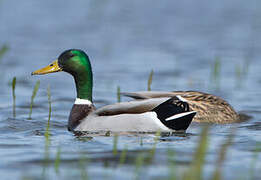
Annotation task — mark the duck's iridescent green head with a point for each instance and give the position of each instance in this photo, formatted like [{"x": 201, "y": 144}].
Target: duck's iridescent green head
[
  {"x": 77, "y": 63},
  {"x": 74, "y": 61}
]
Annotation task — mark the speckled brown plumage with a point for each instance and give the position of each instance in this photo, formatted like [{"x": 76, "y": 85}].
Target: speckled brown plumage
[{"x": 210, "y": 108}]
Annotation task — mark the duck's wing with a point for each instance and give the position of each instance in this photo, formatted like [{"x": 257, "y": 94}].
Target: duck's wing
[
  {"x": 130, "y": 107},
  {"x": 148, "y": 94},
  {"x": 172, "y": 114}
]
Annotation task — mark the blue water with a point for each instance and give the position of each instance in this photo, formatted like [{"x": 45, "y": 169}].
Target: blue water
[{"x": 179, "y": 40}]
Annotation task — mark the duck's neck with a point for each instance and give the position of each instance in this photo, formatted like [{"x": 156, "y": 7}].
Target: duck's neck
[
  {"x": 83, "y": 81},
  {"x": 83, "y": 104}
]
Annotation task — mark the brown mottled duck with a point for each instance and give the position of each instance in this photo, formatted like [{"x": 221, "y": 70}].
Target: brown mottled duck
[{"x": 209, "y": 108}]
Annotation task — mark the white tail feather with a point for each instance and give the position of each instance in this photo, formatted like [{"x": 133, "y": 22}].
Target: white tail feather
[{"x": 179, "y": 115}]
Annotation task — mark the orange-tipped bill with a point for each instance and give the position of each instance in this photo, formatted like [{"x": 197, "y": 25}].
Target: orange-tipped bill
[{"x": 53, "y": 67}]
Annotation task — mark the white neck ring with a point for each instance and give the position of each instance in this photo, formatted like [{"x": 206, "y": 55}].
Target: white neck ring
[{"x": 82, "y": 101}]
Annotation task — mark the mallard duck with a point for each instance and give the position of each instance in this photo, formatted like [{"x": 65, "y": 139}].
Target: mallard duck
[
  {"x": 209, "y": 108},
  {"x": 170, "y": 114}
]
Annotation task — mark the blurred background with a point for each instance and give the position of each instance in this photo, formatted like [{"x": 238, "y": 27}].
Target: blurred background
[{"x": 210, "y": 46}]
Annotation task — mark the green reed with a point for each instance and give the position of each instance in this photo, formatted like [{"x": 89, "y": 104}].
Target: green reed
[
  {"x": 217, "y": 65},
  {"x": 82, "y": 165},
  {"x": 26, "y": 178},
  {"x": 47, "y": 131},
  {"x": 239, "y": 75},
  {"x": 254, "y": 160},
  {"x": 215, "y": 75},
  {"x": 153, "y": 149},
  {"x": 150, "y": 80},
  {"x": 138, "y": 164},
  {"x": 171, "y": 154},
  {"x": 3, "y": 50},
  {"x": 141, "y": 141},
  {"x": 36, "y": 87},
  {"x": 246, "y": 67},
  {"x": 195, "y": 170},
  {"x": 13, "y": 94},
  {"x": 49, "y": 103},
  {"x": 115, "y": 144},
  {"x": 118, "y": 93},
  {"x": 241, "y": 72},
  {"x": 222, "y": 155},
  {"x": 123, "y": 155},
  {"x": 57, "y": 160},
  {"x": 238, "y": 71}
]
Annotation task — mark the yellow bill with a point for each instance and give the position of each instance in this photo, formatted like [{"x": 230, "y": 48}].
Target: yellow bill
[{"x": 53, "y": 67}]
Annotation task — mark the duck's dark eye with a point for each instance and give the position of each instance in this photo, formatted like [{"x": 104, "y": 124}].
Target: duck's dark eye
[
  {"x": 71, "y": 55},
  {"x": 51, "y": 64}
]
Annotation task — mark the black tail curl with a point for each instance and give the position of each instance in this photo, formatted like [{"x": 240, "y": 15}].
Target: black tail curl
[{"x": 175, "y": 114}]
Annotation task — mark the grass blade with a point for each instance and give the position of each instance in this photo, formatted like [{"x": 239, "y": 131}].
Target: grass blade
[
  {"x": 118, "y": 93},
  {"x": 82, "y": 164},
  {"x": 57, "y": 160},
  {"x": 195, "y": 170},
  {"x": 36, "y": 87},
  {"x": 222, "y": 155},
  {"x": 138, "y": 164},
  {"x": 216, "y": 72},
  {"x": 217, "y": 65},
  {"x": 115, "y": 144},
  {"x": 153, "y": 149},
  {"x": 141, "y": 141},
  {"x": 49, "y": 103},
  {"x": 3, "y": 50},
  {"x": 47, "y": 131},
  {"x": 150, "y": 80},
  {"x": 13, "y": 94},
  {"x": 171, "y": 162},
  {"x": 241, "y": 72},
  {"x": 254, "y": 161},
  {"x": 123, "y": 155}
]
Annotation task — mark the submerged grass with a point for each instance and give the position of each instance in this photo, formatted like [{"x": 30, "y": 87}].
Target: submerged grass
[
  {"x": 13, "y": 94},
  {"x": 36, "y": 87},
  {"x": 150, "y": 80}
]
